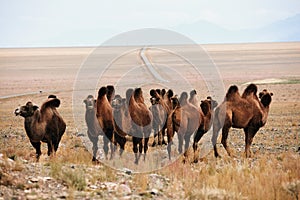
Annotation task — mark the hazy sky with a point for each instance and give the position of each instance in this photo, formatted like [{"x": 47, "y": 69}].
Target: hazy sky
[{"x": 41, "y": 21}]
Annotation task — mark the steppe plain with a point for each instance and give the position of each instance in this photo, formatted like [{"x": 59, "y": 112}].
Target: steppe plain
[{"x": 31, "y": 74}]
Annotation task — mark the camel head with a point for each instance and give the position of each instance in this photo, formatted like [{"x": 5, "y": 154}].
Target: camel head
[
  {"x": 90, "y": 102},
  {"x": 27, "y": 110},
  {"x": 155, "y": 96},
  {"x": 118, "y": 102},
  {"x": 207, "y": 105},
  {"x": 265, "y": 97},
  {"x": 175, "y": 102},
  {"x": 213, "y": 102}
]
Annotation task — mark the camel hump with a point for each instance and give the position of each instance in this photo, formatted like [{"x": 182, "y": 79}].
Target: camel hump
[
  {"x": 137, "y": 93},
  {"x": 52, "y": 101},
  {"x": 129, "y": 93},
  {"x": 231, "y": 91},
  {"x": 193, "y": 93},
  {"x": 250, "y": 89},
  {"x": 170, "y": 93},
  {"x": 110, "y": 92},
  {"x": 183, "y": 98},
  {"x": 102, "y": 91},
  {"x": 153, "y": 93}
]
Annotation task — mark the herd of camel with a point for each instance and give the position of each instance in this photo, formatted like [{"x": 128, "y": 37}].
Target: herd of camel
[{"x": 115, "y": 118}]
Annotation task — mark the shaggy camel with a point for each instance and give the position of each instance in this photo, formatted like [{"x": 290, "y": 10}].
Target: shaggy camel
[
  {"x": 44, "y": 125},
  {"x": 105, "y": 117},
  {"x": 185, "y": 120},
  {"x": 246, "y": 111},
  {"x": 120, "y": 113},
  {"x": 94, "y": 129},
  {"x": 161, "y": 107},
  {"x": 207, "y": 107},
  {"x": 141, "y": 123}
]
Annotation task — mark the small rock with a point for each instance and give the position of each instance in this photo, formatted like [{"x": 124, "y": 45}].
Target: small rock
[
  {"x": 123, "y": 189},
  {"x": 154, "y": 191}
]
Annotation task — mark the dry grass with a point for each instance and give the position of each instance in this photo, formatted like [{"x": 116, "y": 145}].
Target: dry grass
[{"x": 272, "y": 173}]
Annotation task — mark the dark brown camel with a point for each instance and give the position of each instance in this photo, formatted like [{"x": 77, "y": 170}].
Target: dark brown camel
[
  {"x": 94, "y": 129},
  {"x": 44, "y": 125},
  {"x": 141, "y": 123},
  {"x": 105, "y": 118},
  {"x": 246, "y": 111}
]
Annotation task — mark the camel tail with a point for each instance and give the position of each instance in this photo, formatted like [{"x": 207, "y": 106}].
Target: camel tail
[{"x": 231, "y": 91}]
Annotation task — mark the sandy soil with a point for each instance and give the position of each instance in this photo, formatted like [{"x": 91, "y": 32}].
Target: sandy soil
[{"x": 32, "y": 74}]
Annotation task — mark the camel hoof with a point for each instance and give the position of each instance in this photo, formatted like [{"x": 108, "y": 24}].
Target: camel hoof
[
  {"x": 136, "y": 162},
  {"x": 164, "y": 142},
  {"x": 95, "y": 161}
]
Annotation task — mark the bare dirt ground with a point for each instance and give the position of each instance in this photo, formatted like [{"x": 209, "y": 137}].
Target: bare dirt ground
[{"x": 272, "y": 173}]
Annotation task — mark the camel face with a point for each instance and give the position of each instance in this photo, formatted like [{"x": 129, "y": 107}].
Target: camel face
[
  {"x": 90, "y": 103},
  {"x": 26, "y": 110},
  {"x": 265, "y": 97},
  {"x": 118, "y": 102}
]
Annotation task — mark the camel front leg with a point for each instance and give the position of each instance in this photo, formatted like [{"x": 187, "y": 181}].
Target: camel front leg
[
  {"x": 249, "y": 135},
  {"x": 37, "y": 146},
  {"x": 198, "y": 136}
]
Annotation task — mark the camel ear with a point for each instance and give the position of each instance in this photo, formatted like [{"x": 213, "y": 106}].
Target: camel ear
[{"x": 84, "y": 101}]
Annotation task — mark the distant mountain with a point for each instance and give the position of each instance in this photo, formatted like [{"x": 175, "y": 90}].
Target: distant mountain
[{"x": 205, "y": 32}]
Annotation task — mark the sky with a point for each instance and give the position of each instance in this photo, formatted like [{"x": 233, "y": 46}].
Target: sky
[{"x": 90, "y": 22}]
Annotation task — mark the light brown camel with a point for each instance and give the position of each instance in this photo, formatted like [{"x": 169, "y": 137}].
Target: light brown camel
[
  {"x": 105, "y": 118},
  {"x": 185, "y": 120},
  {"x": 141, "y": 123},
  {"x": 246, "y": 111},
  {"x": 44, "y": 125},
  {"x": 94, "y": 129}
]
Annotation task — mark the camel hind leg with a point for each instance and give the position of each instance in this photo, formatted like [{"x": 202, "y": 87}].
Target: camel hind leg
[
  {"x": 147, "y": 133},
  {"x": 121, "y": 141}
]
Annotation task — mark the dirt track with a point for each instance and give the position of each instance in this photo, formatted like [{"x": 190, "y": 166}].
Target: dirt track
[{"x": 54, "y": 70}]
